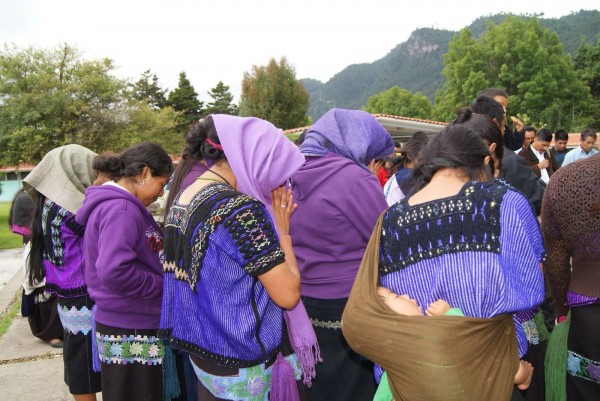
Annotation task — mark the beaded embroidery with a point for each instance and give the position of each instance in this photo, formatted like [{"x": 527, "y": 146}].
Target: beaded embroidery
[
  {"x": 76, "y": 320},
  {"x": 251, "y": 384},
  {"x": 335, "y": 325},
  {"x": 125, "y": 349},
  {"x": 531, "y": 331},
  {"x": 582, "y": 367},
  {"x": 55, "y": 216},
  {"x": 242, "y": 216},
  {"x": 468, "y": 221}
]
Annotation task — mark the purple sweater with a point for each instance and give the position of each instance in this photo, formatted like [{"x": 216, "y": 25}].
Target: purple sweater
[
  {"x": 339, "y": 203},
  {"x": 122, "y": 245}
]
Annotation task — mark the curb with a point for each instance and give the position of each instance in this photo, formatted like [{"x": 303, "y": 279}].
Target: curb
[{"x": 9, "y": 291}]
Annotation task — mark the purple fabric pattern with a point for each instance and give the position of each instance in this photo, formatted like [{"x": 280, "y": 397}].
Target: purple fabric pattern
[
  {"x": 574, "y": 299},
  {"x": 353, "y": 134}
]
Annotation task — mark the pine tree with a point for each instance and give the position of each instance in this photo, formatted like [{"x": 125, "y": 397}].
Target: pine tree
[
  {"x": 148, "y": 90},
  {"x": 184, "y": 99},
  {"x": 222, "y": 101}
]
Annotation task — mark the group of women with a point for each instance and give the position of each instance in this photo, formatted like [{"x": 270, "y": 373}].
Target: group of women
[{"x": 264, "y": 249}]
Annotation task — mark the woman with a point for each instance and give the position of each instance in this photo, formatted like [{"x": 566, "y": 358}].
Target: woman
[
  {"x": 571, "y": 227},
  {"x": 124, "y": 272},
  {"x": 230, "y": 271},
  {"x": 339, "y": 201},
  {"x": 471, "y": 242},
  {"x": 400, "y": 183},
  {"x": 57, "y": 185},
  {"x": 21, "y": 214}
]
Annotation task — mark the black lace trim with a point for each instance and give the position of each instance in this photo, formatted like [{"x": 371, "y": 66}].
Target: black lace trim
[
  {"x": 68, "y": 293},
  {"x": 469, "y": 221}
]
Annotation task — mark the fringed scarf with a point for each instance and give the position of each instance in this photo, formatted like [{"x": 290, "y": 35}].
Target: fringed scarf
[{"x": 431, "y": 358}]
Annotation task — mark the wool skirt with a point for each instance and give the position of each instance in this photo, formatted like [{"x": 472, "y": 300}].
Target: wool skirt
[
  {"x": 344, "y": 374},
  {"x": 132, "y": 363},
  {"x": 583, "y": 363}
]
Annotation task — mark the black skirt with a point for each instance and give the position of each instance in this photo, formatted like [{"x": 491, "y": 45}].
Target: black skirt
[
  {"x": 584, "y": 341},
  {"x": 130, "y": 381},
  {"x": 44, "y": 320},
  {"x": 344, "y": 374},
  {"x": 77, "y": 350}
]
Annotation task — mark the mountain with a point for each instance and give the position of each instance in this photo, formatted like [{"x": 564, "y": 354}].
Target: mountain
[{"x": 416, "y": 65}]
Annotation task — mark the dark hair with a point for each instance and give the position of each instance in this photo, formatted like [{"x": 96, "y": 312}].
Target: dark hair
[
  {"x": 588, "y": 132},
  {"x": 300, "y": 138},
  {"x": 36, "y": 254},
  {"x": 420, "y": 136},
  {"x": 456, "y": 146},
  {"x": 396, "y": 144},
  {"x": 409, "y": 152},
  {"x": 530, "y": 128},
  {"x": 544, "y": 135},
  {"x": 488, "y": 106},
  {"x": 196, "y": 149},
  {"x": 132, "y": 161},
  {"x": 483, "y": 125},
  {"x": 492, "y": 93},
  {"x": 561, "y": 135},
  {"x": 12, "y": 206}
]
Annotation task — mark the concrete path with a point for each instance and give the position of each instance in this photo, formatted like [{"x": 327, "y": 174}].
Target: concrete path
[{"x": 29, "y": 368}]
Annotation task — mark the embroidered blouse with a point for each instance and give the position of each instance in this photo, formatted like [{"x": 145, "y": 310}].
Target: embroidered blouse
[
  {"x": 214, "y": 306},
  {"x": 63, "y": 258},
  {"x": 479, "y": 250}
]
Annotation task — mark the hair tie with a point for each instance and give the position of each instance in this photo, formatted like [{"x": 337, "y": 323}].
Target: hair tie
[{"x": 213, "y": 144}]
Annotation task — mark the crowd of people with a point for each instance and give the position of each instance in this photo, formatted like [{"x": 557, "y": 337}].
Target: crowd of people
[{"x": 343, "y": 267}]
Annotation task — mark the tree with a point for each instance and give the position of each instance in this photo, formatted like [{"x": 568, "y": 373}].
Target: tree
[
  {"x": 184, "y": 100},
  {"x": 272, "y": 93},
  {"x": 148, "y": 90},
  {"x": 50, "y": 98},
  {"x": 587, "y": 65},
  {"x": 527, "y": 61},
  {"x": 400, "y": 102},
  {"x": 222, "y": 101}
]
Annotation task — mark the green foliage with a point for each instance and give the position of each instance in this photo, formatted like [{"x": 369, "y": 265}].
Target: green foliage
[
  {"x": 184, "y": 100},
  {"x": 147, "y": 89},
  {"x": 222, "y": 102},
  {"x": 272, "y": 93},
  {"x": 587, "y": 65},
  {"x": 50, "y": 98},
  {"x": 527, "y": 61},
  {"x": 400, "y": 102}
]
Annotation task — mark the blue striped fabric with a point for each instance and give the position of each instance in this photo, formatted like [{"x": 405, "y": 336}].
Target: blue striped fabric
[
  {"x": 215, "y": 319},
  {"x": 461, "y": 269}
]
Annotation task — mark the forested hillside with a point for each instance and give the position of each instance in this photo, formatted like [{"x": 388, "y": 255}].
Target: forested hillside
[{"x": 416, "y": 65}]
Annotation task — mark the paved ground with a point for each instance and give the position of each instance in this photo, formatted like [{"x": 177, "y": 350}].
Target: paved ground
[{"x": 29, "y": 368}]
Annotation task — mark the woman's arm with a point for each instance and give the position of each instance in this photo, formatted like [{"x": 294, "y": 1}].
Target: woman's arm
[{"x": 283, "y": 281}]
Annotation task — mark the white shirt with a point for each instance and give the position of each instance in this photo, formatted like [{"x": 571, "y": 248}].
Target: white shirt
[
  {"x": 543, "y": 172},
  {"x": 576, "y": 154}
]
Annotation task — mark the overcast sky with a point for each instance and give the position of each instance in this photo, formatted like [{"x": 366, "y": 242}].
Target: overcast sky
[{"x": 220, "y": 40}]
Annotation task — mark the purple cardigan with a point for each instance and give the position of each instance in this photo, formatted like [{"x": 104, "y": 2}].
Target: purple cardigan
[
  {"x": 339, "y": 203},
  {"x": 122, "y": 245}
]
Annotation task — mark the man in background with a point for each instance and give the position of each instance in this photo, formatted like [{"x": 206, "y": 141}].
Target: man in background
[
  {"x": 537, "y": 157},
  {"x": 585, "y": 148},
  {"x": 559, "y": 151}
]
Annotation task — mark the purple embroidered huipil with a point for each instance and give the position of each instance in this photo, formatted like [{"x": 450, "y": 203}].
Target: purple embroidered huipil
[
  {"x": 479, "y": 250},
  {"x": 63, "y": 258},
  {"x": 214, "y": 306}
]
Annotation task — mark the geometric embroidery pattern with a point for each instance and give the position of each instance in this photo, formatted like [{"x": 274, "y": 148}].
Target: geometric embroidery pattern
[
  {"x": 125, "y": 349},
  {"x": 75, "y": 320}
]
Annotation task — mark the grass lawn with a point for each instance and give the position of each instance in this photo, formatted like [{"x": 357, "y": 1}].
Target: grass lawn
[{"x": 8, "y": 240}]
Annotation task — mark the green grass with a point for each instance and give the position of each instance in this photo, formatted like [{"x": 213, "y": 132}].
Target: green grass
[
  {"x": 11, "y": 312},
  {"x": 8, "y": 240}
]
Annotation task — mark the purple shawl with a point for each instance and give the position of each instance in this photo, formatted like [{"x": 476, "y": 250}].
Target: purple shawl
[
  {"x": 262, "y": 159},
  {"x": 353, "y": 134}
]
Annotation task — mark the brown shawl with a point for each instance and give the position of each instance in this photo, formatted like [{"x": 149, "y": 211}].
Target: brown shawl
[{"x": 448, "y": 358}]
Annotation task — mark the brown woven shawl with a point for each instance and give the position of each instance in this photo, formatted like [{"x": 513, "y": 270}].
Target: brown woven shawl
[{"x": 448, "y": 358}]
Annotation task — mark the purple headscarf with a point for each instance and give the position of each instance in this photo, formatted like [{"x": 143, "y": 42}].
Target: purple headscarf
[
  {"x": 262, "y": 159},
  {"x": 259, "y": 155},
  {"x": 353, "y": 134}
]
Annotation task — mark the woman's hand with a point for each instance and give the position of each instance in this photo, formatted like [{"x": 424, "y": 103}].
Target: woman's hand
[{"x": 283, "y": 207}]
